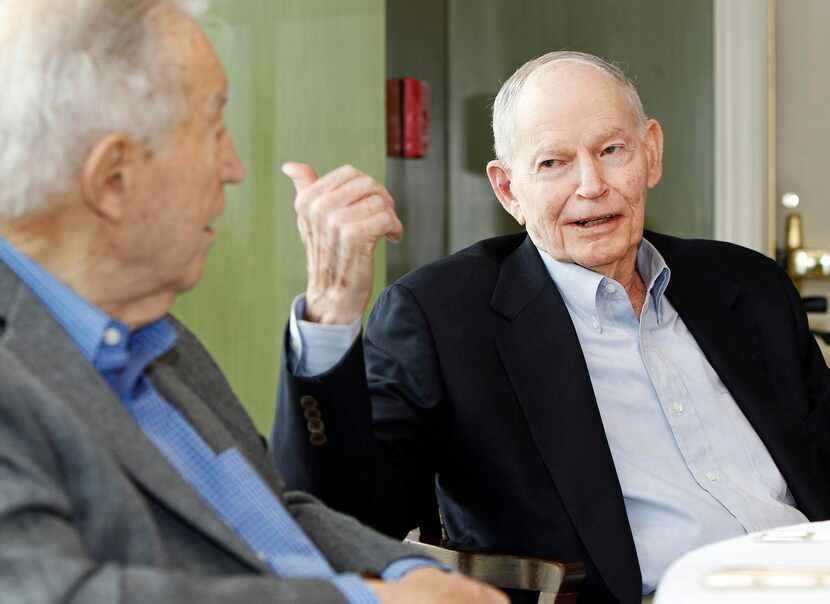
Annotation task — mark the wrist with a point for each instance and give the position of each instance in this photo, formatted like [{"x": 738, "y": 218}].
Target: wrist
[{"x": 329, "y": 312}]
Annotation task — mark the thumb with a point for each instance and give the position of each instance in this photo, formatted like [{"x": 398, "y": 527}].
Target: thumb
[{"x": 302, "y": 175}]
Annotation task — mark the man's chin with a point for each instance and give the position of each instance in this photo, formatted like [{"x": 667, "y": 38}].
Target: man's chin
[
  {"x": 189, "y": 280},
  {"x": 600, "y": 253}
]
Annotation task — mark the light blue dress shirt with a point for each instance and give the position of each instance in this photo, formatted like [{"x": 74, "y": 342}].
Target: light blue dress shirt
[
  {"x": 691, "y": 467},
  {"x": 314, "y": 347},
  {"x": 225, "y": 480}
]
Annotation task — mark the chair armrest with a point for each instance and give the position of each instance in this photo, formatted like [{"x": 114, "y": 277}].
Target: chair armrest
[{"x": 504, "y": 570}]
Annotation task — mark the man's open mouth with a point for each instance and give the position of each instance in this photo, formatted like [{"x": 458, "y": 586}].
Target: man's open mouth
[{"x": 591, "y": 222}]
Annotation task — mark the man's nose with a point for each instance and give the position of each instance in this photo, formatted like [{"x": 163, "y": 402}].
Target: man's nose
[
  {"x": 233, "y": 171},
  {"x": 591, "y": 182}
]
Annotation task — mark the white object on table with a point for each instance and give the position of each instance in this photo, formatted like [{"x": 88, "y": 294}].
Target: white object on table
[{"x": 788, "y": 565}]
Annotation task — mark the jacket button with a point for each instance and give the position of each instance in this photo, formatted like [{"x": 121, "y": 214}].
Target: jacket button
[
  {"x": 308, "y": 402},
  {"x": 317, "y": 439},
  {"x": 315, "y": 426},
  {"x": 312, "y": 413}
]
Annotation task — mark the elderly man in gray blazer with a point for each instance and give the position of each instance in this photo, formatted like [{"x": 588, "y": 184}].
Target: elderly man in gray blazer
[{"x": 129, "y": 472}]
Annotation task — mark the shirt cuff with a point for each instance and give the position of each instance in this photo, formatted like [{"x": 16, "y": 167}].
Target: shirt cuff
[
  {"x": 355, "y": 589},
  {"x": 315, "y": 348},
  {"x": 398, "y": 568}
]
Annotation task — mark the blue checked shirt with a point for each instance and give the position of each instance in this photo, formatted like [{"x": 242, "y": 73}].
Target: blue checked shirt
[{"x": 225, "y": 480}]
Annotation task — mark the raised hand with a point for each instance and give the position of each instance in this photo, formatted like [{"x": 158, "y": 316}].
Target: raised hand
[{"x": 341, "y": 217}]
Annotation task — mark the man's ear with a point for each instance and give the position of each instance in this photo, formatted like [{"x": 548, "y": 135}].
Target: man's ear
[
  {"x": 499, "y": 176},
  {"x": 654, "y": 152},
  {"x": 107, "y": 175}
]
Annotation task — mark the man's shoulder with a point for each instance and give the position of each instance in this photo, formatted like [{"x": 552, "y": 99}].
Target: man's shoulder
[
  {"x": 681, "y": 253},
  {"x": 474, "y": 266},
  {"x": 193, "y": 363}
]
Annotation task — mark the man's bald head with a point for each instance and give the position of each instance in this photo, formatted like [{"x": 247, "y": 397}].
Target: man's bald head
[{"x": 504, "y": 107}]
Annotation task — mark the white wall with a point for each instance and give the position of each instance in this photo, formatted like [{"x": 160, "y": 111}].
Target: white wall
[{"x": 803, "y": 122}]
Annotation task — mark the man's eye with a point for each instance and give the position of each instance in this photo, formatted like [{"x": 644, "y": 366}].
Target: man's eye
[
  {"x": 611, "y": 149},
  {"x": 551, "y": 163}
]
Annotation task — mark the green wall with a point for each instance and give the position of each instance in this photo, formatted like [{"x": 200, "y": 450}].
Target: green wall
[
  {"x": 307, "y": 84},
  {"x": 666, "y": 46}
]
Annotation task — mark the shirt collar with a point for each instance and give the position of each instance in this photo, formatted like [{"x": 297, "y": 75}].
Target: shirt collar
[
  {"x": 656, "y": 274},
  {"x": 105, "y": 342},
  {"x": 579, "y": 286}
]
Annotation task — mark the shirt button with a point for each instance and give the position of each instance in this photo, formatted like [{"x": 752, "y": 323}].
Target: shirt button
[
  {"x": 112, "y": 337},
  {"x": 262, "y": 556},
  {"x": 609, "y": 287},
  {"x": 595, "y": 323},
  {"x": 677, "y": 408},
  {"x": 713, "y": 476}
]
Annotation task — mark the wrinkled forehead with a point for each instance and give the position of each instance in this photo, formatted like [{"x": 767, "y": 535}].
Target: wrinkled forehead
[{"x": 572, "y": 100}]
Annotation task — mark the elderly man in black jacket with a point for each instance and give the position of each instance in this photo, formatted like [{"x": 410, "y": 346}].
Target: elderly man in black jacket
[{"x": 584, "y": 391}]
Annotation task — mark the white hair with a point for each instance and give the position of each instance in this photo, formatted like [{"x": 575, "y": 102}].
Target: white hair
[
  {"x": 74, "y": 71},
  {"x": 505, "y": 104}
]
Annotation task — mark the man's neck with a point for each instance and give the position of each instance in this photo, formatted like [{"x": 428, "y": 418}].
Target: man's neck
[
  {"x": 75, "y": 252},
  {"x": 636, "y": 290},
  {"x": 625, "y": 273}
]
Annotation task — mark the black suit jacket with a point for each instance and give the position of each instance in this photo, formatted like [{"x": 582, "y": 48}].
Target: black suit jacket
[{"x": 476, "y": 377}]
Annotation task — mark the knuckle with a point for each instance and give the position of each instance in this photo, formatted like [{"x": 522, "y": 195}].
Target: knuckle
[
  {"x": 316, "y": 213},
  {"x": 374, "y": 203},
  {"x": 365, "y": 183},
  {"x": 391, "y": 220},
  {"x": 350, "y": 170}
]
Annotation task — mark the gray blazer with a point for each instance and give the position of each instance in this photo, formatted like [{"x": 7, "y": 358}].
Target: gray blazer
[{"x": 91, "y": 512}]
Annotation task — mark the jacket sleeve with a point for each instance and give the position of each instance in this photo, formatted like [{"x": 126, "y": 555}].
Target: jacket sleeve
[
  {"x": 381, "y": 408},
  {"x": 349, "y": 545}
]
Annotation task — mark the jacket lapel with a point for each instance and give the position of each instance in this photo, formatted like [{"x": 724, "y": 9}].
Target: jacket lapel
[
  {"x": 201, "y": 416},
  {"x": 543, "y": 359},
  {"x": 42, "y": 346}
]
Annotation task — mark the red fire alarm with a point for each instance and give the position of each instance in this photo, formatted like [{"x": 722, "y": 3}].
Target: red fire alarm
[{"x": 407, "y": 117}]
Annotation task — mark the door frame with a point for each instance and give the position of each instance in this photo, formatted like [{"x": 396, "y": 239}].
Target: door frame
[{"x": 745, "y": 192}]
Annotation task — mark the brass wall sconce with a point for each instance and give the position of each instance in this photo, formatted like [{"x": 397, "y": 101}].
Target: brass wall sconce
[{"x": 802, "y": 262}]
